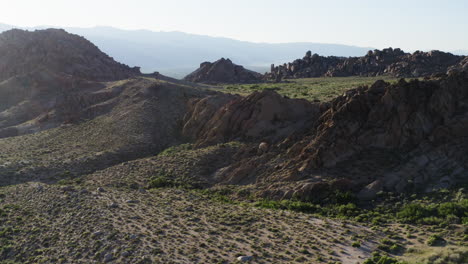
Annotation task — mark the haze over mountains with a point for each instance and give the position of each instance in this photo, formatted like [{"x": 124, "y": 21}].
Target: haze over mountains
[{"x": 177, "y": 54}]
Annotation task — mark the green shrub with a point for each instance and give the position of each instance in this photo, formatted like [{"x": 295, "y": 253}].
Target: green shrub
[
  {"x": 162, "y": 180},
  {"x": 434, "y": 240},
  {"x": 378, "y": 259},
  {"x": 412, "y": 213},
  {"x": 356, "y": 244}
]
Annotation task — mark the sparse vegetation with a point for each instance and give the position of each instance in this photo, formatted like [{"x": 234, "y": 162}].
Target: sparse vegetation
[{"x": 313, "y": 89}]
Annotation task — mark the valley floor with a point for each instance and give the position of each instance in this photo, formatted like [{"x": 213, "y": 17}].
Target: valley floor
[{"x": 81, "y": 224}]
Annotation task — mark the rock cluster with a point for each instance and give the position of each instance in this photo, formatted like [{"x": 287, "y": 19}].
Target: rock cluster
[
  {"x": 223, "y": 71},
  {"x": 393, "y": 62},
  {"x": 55, "y": 50}
]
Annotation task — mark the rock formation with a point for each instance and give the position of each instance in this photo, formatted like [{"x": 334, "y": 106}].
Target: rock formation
[
  {"x": 262, "y": 115},
  {"x": 222, "y": 71},
  {"x": 392, "y": 62}
]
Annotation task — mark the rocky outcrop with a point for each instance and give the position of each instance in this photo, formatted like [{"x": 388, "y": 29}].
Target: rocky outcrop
[
  {"x": 392, "y": 62},
  {"x": 223, "y": 71},
  {"x": 55, "y": 50},
  {"x": 265, "y": 116},
  {"x": 307, "y": 67}
]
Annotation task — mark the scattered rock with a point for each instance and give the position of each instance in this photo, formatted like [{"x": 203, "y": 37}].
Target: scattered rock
[
  {"x": 68, "y": 189},
  {"x": 113, "y": 205},
  {"x": 262, "y": 148},
  {"x": 108, "y": 257},
  {"x": 97, "y": 234},
  {"x": 245, "y": 258}
]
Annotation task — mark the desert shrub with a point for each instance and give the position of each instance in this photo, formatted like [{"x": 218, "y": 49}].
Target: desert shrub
[
  {"x": 161, "y": 180},
  {"x": 435, "y": 214},
  {"x": 176, "y": 149},
  {"x": 378, "y": 259},
  {"x": 447, "y": 256},
  {"x": 356, "y": 244},
  {"x": 297, "y": 206},
  {"x": 412, "y": 213},
  {"x": 434, "y": 240}
]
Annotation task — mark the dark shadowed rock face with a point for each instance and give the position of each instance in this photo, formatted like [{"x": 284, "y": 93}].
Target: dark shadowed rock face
[
  {"x": 393, "y": 62},
  {"x": 55, "y": 50},
  {"x": 223, "y": 71}
]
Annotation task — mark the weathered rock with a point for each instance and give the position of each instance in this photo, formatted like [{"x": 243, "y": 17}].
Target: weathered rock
[
  {"x": 223, "y": 71},
  {"x": 245, "y": 258},
  {"x": 262, "y": 148}
]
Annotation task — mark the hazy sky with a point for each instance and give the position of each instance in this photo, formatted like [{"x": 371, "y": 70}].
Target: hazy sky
[{"x": 409, "y": 24}]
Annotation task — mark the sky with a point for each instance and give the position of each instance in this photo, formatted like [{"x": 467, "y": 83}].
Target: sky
[{"x": 409, "y": 24}]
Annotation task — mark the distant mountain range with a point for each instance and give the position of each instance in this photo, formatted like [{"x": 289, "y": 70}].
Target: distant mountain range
[
  {"x": 460, "y": 52},
  {"x": 176, "y": 53}
]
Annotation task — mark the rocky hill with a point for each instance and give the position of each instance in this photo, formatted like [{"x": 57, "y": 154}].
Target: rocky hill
[
  {"x": 50, "y": 77},
  {"x": 23, "y": 52},
  {"x": 222, "y": 71},
  {"x": 393, "y": 62}
]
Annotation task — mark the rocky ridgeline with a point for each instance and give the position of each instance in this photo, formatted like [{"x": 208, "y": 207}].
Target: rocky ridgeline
[
  {"x": 392, "y": 62},
  {"x": 55, "y": 50},
  {"x": 223, "y": 71}
]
